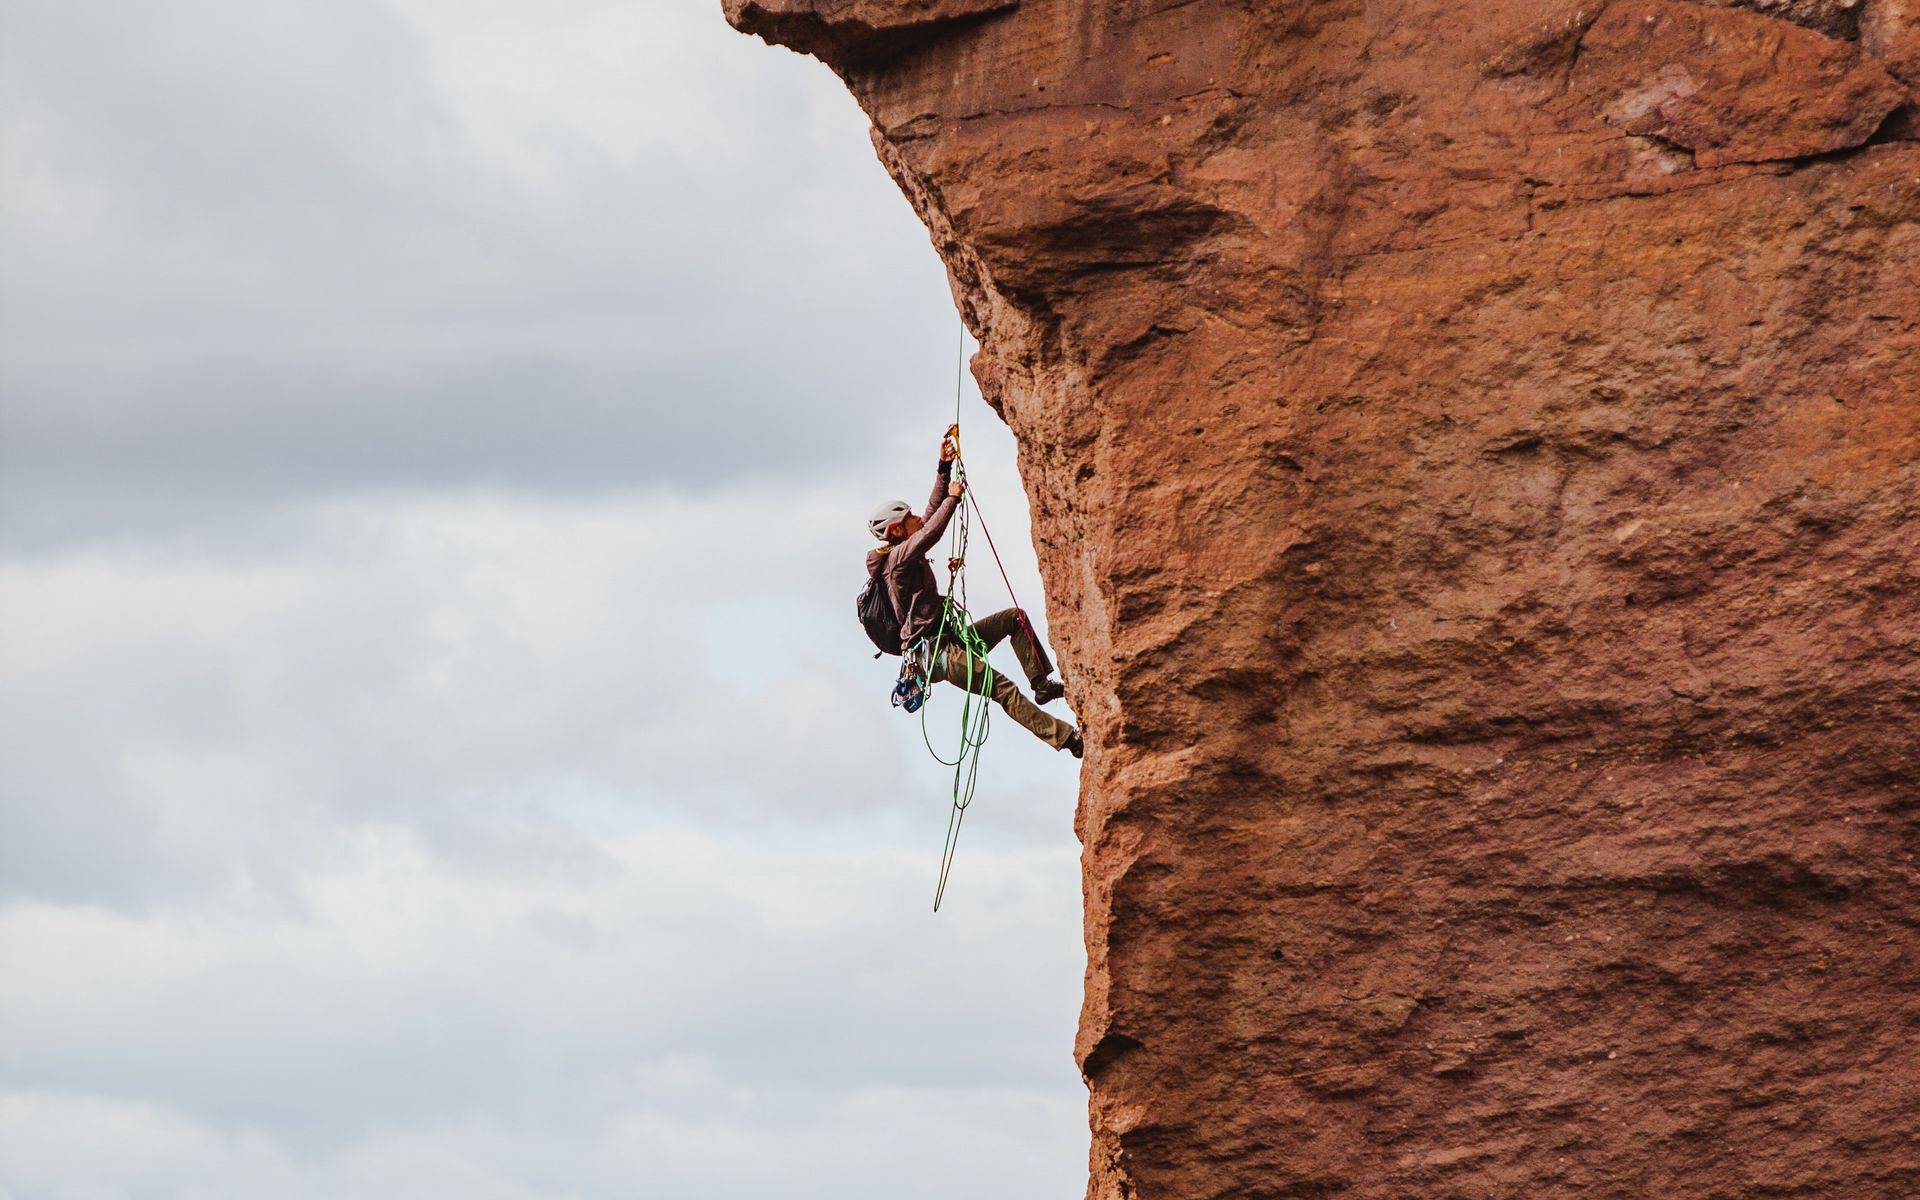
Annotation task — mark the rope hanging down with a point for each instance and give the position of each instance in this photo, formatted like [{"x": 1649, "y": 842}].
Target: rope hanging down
[{"x": 956, "y": 629}]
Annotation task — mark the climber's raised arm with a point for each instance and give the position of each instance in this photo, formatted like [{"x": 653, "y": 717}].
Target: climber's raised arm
[
  {"x": 940, "y": 509},
  {"x": 942, "y": 481}
]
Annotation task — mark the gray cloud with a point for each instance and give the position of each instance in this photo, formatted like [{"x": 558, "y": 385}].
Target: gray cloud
[
  {"x": 292, "y": 249},
  {"x": 716, "y": 1002},
  {"x": 442, "y": 661}
]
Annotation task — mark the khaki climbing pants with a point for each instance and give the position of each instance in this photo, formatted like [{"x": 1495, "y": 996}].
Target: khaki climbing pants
[{"x": 955, "y": 662}]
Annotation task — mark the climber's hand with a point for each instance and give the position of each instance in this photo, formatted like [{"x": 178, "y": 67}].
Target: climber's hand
[
  {"x": 949, "y": 448},
  {"x": 957, "y": 488}
]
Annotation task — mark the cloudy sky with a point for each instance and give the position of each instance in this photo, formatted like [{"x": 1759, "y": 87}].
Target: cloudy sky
[{"x": 437, "y": 757}]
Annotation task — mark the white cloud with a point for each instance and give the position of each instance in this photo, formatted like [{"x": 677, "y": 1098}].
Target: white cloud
[
  {"x": 883, "y": 1142},
  {"x": 541, "y": 822},
  {"x": 450, "y": 661},
  {"x": 688, "y": 1016}
]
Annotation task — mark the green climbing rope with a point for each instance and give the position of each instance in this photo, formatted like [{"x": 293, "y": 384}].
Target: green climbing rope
[{"x": 956, "y": 630}]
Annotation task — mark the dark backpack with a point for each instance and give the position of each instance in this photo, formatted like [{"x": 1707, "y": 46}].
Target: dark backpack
[{"x": 876, "y": 612}]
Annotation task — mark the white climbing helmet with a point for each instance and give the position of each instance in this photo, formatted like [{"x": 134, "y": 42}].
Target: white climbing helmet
[{"x": 886, "y": 517}]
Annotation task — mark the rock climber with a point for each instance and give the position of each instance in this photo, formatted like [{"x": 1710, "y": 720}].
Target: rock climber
[{"x": 899, "y": 571}]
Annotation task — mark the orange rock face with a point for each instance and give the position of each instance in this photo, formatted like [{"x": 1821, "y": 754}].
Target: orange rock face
[{"x": 1474, "y": 456}]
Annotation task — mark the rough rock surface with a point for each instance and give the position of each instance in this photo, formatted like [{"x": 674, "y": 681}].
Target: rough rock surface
[{"x": 1474, "y": 455}]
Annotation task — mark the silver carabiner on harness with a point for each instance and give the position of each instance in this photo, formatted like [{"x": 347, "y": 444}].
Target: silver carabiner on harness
[{"x": 910, "y": 691}]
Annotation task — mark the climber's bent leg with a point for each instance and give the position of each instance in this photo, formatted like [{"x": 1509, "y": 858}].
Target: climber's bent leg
[
  {"x": 997, "y": 627},
  {"x": 1006, "y": 624},
  {"x": 954, "y": 666}
]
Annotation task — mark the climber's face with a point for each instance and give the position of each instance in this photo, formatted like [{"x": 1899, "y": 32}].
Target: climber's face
[{"x": 908, "y": 526}]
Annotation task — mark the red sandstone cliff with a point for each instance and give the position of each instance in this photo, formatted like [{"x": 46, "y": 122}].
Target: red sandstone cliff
[{"x": 1473, "y": 450}]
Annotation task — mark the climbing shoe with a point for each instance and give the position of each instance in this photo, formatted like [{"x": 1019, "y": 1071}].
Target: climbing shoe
[
  {"x": 1075, "y": 746},
  {"x": 1046, "y": 691}
]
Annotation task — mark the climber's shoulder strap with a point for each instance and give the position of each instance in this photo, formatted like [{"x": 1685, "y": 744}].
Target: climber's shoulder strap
[{"x": 875, "y": 607}]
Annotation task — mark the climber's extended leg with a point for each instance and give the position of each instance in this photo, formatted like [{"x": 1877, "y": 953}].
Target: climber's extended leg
[
  {"x": 1007, "y": 623},
  {"x": 954, "y": 667}
]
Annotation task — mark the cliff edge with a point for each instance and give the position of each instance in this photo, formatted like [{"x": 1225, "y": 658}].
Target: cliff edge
[{"x": 1475, "y": 458}]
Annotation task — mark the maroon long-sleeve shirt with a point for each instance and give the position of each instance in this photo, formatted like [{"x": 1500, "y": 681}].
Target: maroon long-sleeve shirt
[{"x": 910, "y": 580}]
